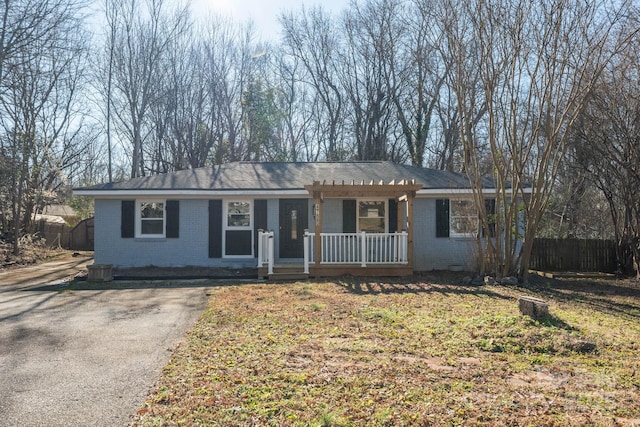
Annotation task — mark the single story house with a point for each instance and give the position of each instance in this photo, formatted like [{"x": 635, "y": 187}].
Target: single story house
[{"x": 320, "y": 218}]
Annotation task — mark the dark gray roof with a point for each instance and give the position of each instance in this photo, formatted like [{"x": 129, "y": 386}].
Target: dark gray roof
[{"x": 288, "y": 176}]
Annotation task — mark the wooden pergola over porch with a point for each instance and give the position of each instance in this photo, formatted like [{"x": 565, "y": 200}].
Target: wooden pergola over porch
[{"x": 403, "y": 192}]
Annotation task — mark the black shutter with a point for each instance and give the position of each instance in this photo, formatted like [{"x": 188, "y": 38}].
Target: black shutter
[
  {"x": 259, "y": 220},
  {"x": 173, "y": 219},
  {"x": 215, "y": 228},
  {"x": 393, "y": 215},
  {"x": 348, "y": 216},
  {"x": 442, "y": 218},
  {"x": 128, "y": 218},
  {"x": 490, "y": 208}
]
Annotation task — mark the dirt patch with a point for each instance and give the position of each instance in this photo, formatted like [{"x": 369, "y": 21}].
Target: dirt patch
[
  {"x": 32, "y": 252},
  {"x": 437, "y": 363},
  {"x": 537, "y": 379},
  {"x": 53, "y": 272}
]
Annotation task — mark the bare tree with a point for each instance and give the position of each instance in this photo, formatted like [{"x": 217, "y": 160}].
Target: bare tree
[
  {"x": 371, "y": 37},
  {"x": 416, "y": 75},
  {"x": 232, "y": 56},
  {"x": 295, "y": 104},
  {"x": 577, "y": 208},
  {"x": 177, "y": 116},
  {"x": 27, "y": 21},
  {"x": 42, "y": 64},
  {"x": 143, "y": 36},
  {"x": 310, "y": 36},
  {"x": 607, "y": 147},
  {"x": 538, "y": 63},
  {"x": 111, "y": 13}
]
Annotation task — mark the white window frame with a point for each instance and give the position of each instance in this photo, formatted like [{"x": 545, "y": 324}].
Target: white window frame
[
  {"x": 373, "y": 199},
  {"x": 139, "y": 219},
  {"x": 226, "y": 227},
  {"x": 473, "y": 216}
]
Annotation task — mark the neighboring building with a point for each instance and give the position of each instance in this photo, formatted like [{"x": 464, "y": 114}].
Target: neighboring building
[
  {"x": 368, "y": 218},
  {"x": 66, "y": 212}
]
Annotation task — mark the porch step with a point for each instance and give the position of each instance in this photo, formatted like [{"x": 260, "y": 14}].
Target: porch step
[{"x": 281, "y": 277}]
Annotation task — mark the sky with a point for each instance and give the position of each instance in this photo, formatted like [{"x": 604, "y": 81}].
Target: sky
[{"x": 264, "y": 13}]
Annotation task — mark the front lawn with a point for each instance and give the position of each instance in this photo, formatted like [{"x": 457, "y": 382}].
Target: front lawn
[{"x": 421, "y": 352}]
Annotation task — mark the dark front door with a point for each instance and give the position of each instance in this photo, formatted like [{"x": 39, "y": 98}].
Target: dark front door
[{"x": 293, "y": 222}]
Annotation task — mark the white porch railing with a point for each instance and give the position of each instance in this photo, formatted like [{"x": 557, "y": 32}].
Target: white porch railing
[
  {"x": 358, "y": 248},
  {"x": 266, "y": 253},
  {"x": 342, "y": 248}
]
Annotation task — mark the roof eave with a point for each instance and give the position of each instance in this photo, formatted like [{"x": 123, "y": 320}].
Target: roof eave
[
  {"x": 260, "y": 192},
  {"x": 463, "y": 191},
  {"x": 163, "y": 192}
]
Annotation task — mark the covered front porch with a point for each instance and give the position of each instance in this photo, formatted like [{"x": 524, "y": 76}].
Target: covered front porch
[{"x": 366, "y": 252}]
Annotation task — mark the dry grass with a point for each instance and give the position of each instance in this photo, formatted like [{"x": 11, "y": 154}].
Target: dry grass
[{"x": 423, "y": 352}]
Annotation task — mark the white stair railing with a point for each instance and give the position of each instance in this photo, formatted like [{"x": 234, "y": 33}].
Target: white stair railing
[
  {"x": 308, "y": 238},
  {"x": 265, "y": 249}
]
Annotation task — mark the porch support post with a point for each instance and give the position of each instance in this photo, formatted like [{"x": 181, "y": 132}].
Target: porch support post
[
  {"x": 317, "y": 199},
  {"x": 399, "y": 222},
  {"x": 410, "y": 197}
]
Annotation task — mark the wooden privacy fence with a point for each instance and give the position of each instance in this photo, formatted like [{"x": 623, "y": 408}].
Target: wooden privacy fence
[
  {"x": 78, "y": 238},
  {"x": 81, "y": 236},
  {"x": 574, "y": 255}
]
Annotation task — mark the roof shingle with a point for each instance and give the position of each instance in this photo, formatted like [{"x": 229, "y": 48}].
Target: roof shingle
[{"x": 288, "y": 176}]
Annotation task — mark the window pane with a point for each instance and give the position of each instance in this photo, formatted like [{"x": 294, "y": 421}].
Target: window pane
[
  {"x": 371, "y": 209},
  {"x": 239, "y": 214},
  {"x": 371, "y": 216},
  {"x": 372, "y": 225},
  {"x": 152, "y": 210},
  {"x": 464, "y": 218},
  {"x": 239, "y": 207},
  {"x": 151, "y": 226}
]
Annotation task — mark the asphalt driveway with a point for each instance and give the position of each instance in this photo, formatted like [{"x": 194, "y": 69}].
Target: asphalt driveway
[{"x": 87, "y": 356}]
